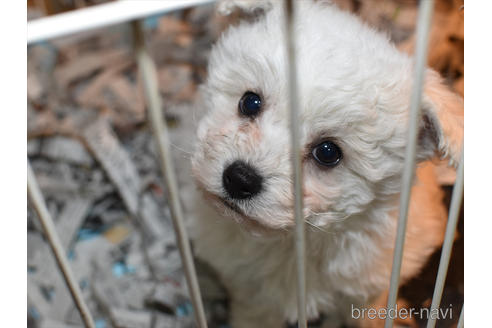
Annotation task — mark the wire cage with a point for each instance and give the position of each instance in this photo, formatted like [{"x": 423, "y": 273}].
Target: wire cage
[{"x": 133, "y": 13}]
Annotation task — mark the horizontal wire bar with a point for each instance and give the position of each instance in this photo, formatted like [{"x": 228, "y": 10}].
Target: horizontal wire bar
[
  {"x": 423, "y": 26},
  {"x": 296, "y": 164},
  {"x": 44, "y": 216},
  {"x": 161, "y": 135},
  {"x": 447, "y": 247},
  {"x": 116, "y": 12}
]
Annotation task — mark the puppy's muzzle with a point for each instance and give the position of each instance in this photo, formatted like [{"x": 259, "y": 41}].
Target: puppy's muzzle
[{"x": 241, "y": 180}]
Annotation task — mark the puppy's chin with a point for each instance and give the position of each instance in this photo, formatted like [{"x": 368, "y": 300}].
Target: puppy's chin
[{"x": 229, "y": 210}]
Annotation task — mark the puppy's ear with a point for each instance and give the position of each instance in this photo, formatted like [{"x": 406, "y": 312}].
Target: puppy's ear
[{"x": 441, "y": 130}]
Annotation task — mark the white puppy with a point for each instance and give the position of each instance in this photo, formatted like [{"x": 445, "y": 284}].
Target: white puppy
[{"x": 355, "y": 89}]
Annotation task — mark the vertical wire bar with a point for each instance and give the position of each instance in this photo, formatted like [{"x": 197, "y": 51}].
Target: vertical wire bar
[
  {"x": 296, "y": 163},
  {"x": 461, "y": 321},
  {"x": 423, "y": 25},
  {"x": 149, "y": 75},
  {"x": 44, "y": 216},
  {"x": 448, "y": 242}
]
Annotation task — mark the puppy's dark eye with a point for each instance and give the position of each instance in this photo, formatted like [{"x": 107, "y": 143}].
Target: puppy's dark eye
[
  {"x": 250, "y": 104},
  {"x": 327, "y": 153}
]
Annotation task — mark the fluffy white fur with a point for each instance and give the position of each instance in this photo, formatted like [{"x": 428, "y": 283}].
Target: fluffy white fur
[{"x": 355, "y": 89}]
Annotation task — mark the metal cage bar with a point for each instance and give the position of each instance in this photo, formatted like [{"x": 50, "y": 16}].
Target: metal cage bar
[
  {"x": 148, "y": 71},
  {"x": 99, "y": 16},
  {"x": 423, "y": 25},
  {"x": 300, "y": 238},
  {"x": 448, "y": 241},
  {"x": 461, "y": 321},
  {"x": 36, "y": 197}
]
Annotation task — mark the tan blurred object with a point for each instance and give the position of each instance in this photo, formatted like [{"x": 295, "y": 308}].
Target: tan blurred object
[
  {"x": 446, "y": 42},
  {"x": 445, "y": 174}
]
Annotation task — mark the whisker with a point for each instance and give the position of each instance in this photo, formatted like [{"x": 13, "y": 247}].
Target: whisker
[
  {"x": 182, "y": 150},
  {"x": 318, "y": 227},
  {"x": 330, "y": 215}
]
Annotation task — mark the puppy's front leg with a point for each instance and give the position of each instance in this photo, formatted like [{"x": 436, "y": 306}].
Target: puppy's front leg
[{"x": 248, "y": 315}]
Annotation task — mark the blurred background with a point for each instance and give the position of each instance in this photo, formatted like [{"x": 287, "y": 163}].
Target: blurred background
[{"x": 93, "y": 154}]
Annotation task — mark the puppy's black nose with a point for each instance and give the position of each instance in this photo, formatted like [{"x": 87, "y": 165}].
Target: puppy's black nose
[{"x": 241, "y": 181}]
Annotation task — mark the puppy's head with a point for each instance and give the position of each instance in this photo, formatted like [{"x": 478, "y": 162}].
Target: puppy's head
[{"x": 354, "y": 91}]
